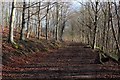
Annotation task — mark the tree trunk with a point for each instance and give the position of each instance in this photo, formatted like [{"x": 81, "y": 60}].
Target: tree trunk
[
  {"x": 56, "y": 28},
  {"x": 11, "y": 24},
  {"x": 27, "y": 35},
  {"x": 95, "y": 24},
  {"x": 108, "y": 29},
  {"x": 46, "y": 33},
  {"x": 63, "y": 22},
  {"x": 117, "y": 45},
  {"x": 61, "y": 32},
  {"x": 104, "y": 29},
  {"x": 118, "y": 22},
  {"x": 2, "y": 16},
  {"x": 39, "y": 23},
  {"x": 22, "y": 36}
]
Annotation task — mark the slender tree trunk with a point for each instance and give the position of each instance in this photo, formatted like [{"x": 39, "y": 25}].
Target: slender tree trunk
[
  {"x": 39, "y": 23},
  {"x": 2, "y": 16},
  {"x": 56, "y": 28},
  {"x": 11, "y": 24},
  {"x": 104, "y": 29},
  {"x": 72, "y": 32},
  {"x": 118, "y": 21},
  {"x": 6, "y": 19},
  {"x": 28, "y": 21},
  {"x": 47, "y": 22},
  {"x": 22, "y": 36},
  {"x": 114, "y": 35},
  {"x": 119, "y": 26},
  {"x": 48, "y": 25},
  {"x": 95, "y": 24},
  {"x": 63, "y": 22},
  {"x": 62, "y": 29},
  {"x": 9, "y": 13},
  {"x": 36, "y": 31},
  {"x": 108, "y": 29},
  {"x": 46, "y": 32}
]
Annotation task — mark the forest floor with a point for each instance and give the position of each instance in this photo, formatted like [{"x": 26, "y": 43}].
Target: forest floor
[{"x": 70, "y": 61}]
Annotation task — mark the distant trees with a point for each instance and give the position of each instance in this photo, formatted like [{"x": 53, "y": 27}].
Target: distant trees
[
  {"x": 62, "y": 20},
  {"x": 112, "y": 27},
  {"x": 35, "y": 19},
  {"x": 95, "y": 23},
  {"x": 98, "y": 25}
]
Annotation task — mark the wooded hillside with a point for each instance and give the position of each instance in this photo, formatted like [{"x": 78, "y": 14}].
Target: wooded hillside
[{"x": 30, "y": 27}]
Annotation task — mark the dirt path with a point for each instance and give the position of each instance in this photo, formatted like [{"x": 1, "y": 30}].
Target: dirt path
[{"x": 72, "y": 62}]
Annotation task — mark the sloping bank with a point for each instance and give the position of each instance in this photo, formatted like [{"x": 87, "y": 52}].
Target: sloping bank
[{"x": 28, "y": 47}]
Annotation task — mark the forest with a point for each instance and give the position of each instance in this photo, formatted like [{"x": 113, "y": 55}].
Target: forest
[{"x": 56, "y": 39}]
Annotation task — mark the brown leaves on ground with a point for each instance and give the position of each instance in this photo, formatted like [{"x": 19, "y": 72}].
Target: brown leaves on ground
[
  {"x": 15, "y": 53},
  {"x": 42, "y": 59}
]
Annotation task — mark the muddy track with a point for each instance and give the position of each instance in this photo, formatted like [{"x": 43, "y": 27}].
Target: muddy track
[{"x": 75, "y": 61}]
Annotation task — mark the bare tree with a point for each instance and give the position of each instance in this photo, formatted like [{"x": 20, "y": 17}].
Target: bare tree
[
  {"x": 47, "y": 21},
  {"x": 104, "y": 10},
  {"x": 114, "y": 35},
  {"x": 28, "y": 26},
  {"x": 22, "y": 36},
  {"x": 117, "y": 9},
  {"x": 56, "y": 26},
  {"x": 11, "y": 24},
  {"x": 39, "y": 22},
  {"x": 95, "y": 24}
]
